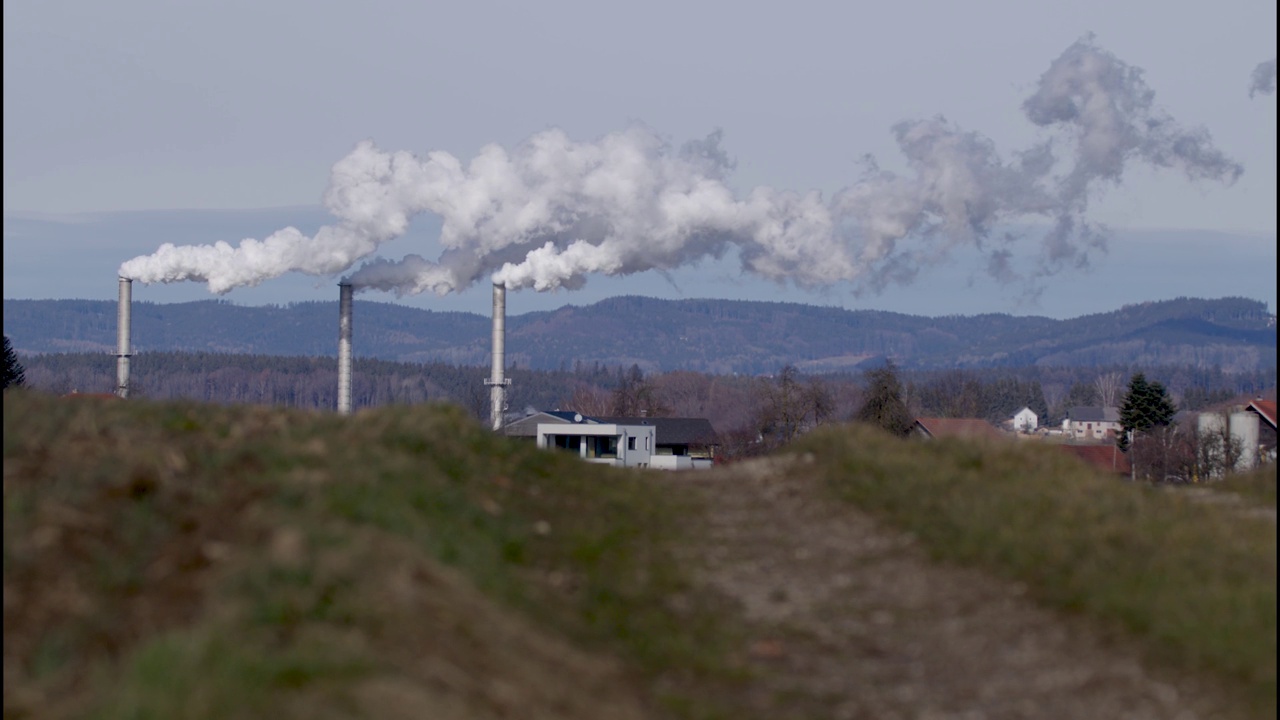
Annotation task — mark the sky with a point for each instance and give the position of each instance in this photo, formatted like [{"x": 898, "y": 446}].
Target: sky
[{"x": 126, "y": 124}]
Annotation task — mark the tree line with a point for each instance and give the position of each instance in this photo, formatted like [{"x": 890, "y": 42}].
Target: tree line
[{"x": 752, "y": 414}]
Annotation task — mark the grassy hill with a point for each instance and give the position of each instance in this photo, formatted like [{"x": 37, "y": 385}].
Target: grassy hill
[{"x": 186, "y": 560}]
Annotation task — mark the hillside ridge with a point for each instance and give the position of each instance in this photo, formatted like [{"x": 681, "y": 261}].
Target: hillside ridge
[{"x": 705, "y": 335}]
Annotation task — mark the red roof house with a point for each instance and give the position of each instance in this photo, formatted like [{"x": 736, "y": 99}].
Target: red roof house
[
  {"x": 1266, "y": 409},
  {"x": 955, "y": 427},
  {"x": 1106, "y": 458}
]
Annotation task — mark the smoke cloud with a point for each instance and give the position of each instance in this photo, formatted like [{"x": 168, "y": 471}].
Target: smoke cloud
[
  {"x": 550, "y": 212},
  {"x": 1107, "y": 114},
  {"x": 1263, "y": 80}
]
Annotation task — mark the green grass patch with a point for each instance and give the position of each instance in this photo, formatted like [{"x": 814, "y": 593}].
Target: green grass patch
[{"x": 1196, "y": 581}]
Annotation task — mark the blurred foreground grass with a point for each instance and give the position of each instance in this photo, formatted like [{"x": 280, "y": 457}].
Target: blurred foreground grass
[
  {"x": 170, "y": 560},
  {"x": 1195, "y": 580},
  {"x": 188, "y": 560}
]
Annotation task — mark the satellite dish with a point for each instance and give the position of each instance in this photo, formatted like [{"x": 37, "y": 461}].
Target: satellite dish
[{"x": 577, "y": 417}]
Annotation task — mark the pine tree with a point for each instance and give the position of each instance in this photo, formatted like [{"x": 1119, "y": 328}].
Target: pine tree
[
  {"x": 1146, "y": 405},
  {"x": 14, "y": 374},
  {"x": 883, "y": 405}
]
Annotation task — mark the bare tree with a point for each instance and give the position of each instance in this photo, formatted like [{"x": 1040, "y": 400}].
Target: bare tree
[
  {"x": 1217, "y": 450},
  {"x": 788, "y": 407},
  {"x": 687, "y": 393},
  {"x": 1109, "y": 385},
  {"x": 589, "y": 400},
  {"x": 635, "y": 396},
  {"x": 1163, "y": 454}
]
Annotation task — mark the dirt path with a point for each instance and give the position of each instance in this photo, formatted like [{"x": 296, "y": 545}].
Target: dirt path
[{"x": 851, "y": 619}]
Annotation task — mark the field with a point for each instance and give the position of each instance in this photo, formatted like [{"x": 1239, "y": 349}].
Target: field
[{"x": 191, "y": 560}]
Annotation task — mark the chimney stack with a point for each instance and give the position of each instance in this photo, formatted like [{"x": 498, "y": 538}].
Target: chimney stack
[
  {"x": 344, "y": 348},
  {"x": 122, "y": 337},
  {"x": 498, "y": 381}
]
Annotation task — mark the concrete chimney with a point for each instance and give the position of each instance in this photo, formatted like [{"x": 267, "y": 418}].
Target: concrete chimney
[
  {"x": 498, "y": 381},
  {"x": 122, "y": 337},
  {"x": 344, "y": 348}
]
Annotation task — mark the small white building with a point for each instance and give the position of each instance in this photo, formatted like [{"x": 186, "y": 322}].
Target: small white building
[
  {"x": 603, "y": 443},
  {"x": 1025, "y": 420},
  {"x": 660, "y": 443}
]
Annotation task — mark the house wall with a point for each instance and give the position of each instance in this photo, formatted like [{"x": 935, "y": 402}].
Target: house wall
[
  {"x": 671, "y": 462},
  {"x": 1090, "y": 430},
  {"x": 633, "y": 444},
  {"x": 1026, "y": 421},
  {"x": 1266, "y": 437}
]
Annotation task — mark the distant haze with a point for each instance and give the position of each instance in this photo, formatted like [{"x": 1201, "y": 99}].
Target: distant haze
[{"x": 1141, "y": 265}]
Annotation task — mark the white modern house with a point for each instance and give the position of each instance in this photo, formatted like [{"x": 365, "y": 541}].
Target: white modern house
[
  {"x": 659, "y": 443},
  {"x": 604, "y": 443},
  {"x": 1025, "y": 420}
]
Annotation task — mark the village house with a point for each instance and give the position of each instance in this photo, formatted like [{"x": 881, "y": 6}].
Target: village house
[
  {"x": 1092, "y": 423},
  {"x": 1266, "y": 412},
  {"x": 1025, "y": 420},
  {"x": 647, "y": 442}
]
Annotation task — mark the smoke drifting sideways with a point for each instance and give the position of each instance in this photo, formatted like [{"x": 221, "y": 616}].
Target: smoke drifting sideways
[
  {"x": 551, "y": 211},
  {"x": 1263, "y": 80}
]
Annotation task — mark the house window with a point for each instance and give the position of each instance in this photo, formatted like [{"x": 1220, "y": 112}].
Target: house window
[
  {"x": 631, "y": 443},
  {"x": 647, "y": 439}
]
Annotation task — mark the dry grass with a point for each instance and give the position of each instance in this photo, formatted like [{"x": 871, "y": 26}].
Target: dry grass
[
  {"x": 187, "y": 560},
  {"x": 1257, "y": 486},
  {"x": 1196, "y": 581},
  {"x": 246, "y": 557}
]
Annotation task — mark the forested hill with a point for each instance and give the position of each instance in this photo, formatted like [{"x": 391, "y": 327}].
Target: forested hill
[{"x": 718, "y": 336}]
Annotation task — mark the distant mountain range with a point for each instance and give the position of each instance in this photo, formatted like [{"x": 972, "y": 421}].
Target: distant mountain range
[{"x": 717, "y": 336}]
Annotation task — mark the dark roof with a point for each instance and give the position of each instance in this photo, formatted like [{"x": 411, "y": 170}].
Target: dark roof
[
  {"x": 957, "y": 427},
  {"x": 1103, "y": 457},
  {"x": 669, "y": 431},
  {"x": 527, "y": 426},
  {"x": 1094, "y": 414},
  {"x": 672, "y": 431},
  {"x": 567, "y": 415}
]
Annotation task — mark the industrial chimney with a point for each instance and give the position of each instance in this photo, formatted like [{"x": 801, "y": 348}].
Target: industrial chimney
[
  {"x": 122, "y": 338},
  {"x": 344, "y": 348},
  {"x": 498, "y": 381}
]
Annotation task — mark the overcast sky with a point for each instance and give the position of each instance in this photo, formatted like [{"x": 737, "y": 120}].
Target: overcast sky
[{"x": 140, "y": 105}]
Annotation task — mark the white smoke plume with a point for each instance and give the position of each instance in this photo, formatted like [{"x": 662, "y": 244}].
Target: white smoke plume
[
  {"x": 373, "y": 194},
  {"x": 551, "y": 211},
  {"x": 1108, "y": 115},
  {"x": 1263, "y": 80}
]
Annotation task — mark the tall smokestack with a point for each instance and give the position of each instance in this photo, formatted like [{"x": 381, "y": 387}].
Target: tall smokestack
[
  {"x": 344, "y": 348},
  {"x": 122, "y": 337},
  {"x": 498, "y": 381}
]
